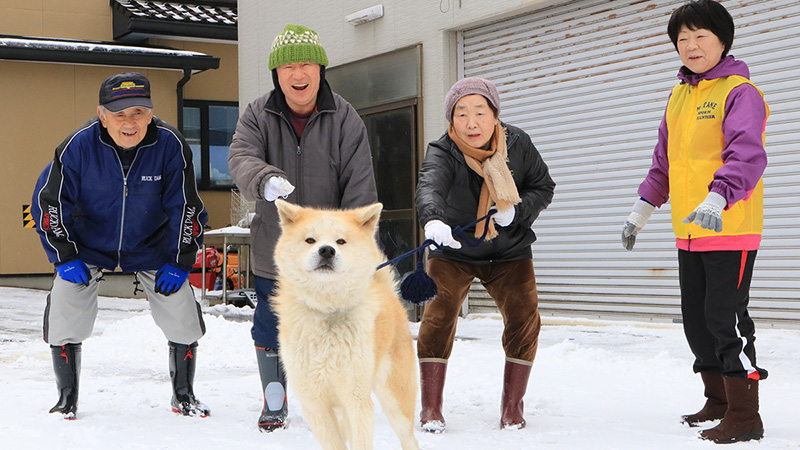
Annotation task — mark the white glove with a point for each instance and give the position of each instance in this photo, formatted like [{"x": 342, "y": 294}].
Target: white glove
[
  {"x": 277, "y": 187},
  {"x": 441, "y": 233},
  {"x": 636, "y": 221},
  {"x": 504, "y": 218},
  {"x": 246, "y": 220},
  {"x": 709, "y": 213}
]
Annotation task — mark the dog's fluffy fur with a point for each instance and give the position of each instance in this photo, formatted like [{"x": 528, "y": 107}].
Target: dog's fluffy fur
[{"x": 342, "y": 330}]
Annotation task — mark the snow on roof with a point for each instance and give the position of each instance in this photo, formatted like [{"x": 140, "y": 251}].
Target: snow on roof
[{"x": 58, "y": 44}]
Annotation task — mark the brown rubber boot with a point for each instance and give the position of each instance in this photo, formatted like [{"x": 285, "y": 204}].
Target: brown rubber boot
[
  {"x": 515, "y": 383},
  {"x": 716, "y": 402},
  {"x": 742, "y": 421},
  {"x": 431, "y": 374}
]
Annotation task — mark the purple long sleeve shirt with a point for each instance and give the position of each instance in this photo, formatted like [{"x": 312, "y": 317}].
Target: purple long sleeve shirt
[{"x": 744, "y": 157}]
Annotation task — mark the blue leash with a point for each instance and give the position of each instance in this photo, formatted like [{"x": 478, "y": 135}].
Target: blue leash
[
  {"x": 418, "y": 287},
  {"x": 458, "y": 231}
]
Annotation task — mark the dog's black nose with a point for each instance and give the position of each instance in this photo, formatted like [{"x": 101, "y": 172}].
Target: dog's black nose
[{"x": 327, "y": 252}]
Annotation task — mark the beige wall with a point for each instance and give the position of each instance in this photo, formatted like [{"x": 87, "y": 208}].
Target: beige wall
[
  {"x": 218, "y": 85},
  {"x": 42, "y": 103},
  {"x": 73, "y": 19}
]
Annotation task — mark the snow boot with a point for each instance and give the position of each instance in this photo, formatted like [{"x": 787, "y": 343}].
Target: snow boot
[
  {"x": 716, "y": 403},
  {"x": 67, "y": 367},
  {"x": 182, "y": 363},
  {"x": 432, "y": 373},
  {"x": 742, "y": 421},
  {"x": 273, "y": 385},
  {"x": 515, "y": 383}
]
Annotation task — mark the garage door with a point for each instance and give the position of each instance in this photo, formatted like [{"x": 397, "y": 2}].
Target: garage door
[{"x": 589, "y": 80}]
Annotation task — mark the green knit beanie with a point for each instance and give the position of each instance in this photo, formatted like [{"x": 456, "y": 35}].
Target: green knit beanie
[{"x": 297, "y": 44}]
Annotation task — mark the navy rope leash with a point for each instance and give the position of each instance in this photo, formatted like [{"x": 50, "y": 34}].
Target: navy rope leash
[{"x": 418, "y": 287}]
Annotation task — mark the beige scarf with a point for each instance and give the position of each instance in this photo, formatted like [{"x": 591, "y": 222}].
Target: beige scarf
[{"x": 498, "y": 184}]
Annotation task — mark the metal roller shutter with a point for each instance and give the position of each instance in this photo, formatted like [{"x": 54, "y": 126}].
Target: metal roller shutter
[{"x": 589, "y": 81}]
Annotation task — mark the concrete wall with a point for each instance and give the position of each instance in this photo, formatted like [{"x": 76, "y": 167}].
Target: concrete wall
[{"x": 405, "y": 23}]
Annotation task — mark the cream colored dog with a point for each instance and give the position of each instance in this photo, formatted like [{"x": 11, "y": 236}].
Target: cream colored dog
[{"x": 343, "y": 333}]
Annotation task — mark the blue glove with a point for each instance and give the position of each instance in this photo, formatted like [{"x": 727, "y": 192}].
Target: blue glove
[
  {"x": 169, "y": 279},
  {"x": 75, "y": 271}
]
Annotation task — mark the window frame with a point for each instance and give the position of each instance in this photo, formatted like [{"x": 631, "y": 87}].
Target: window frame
[{"x": 204, "y": 183}]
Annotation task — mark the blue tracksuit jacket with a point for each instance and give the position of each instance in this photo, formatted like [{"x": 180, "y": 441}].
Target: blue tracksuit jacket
[{"x": 85, "y": 207}]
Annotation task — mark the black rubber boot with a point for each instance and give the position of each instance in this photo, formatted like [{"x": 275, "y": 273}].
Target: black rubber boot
[
  {"x": 182, "y": 363},
  {"x": 67, "y": 367},
  {"x": 273, "y": 385}
]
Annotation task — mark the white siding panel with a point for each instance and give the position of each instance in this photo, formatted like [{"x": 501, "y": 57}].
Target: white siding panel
[{"x": 589, "y": 81}]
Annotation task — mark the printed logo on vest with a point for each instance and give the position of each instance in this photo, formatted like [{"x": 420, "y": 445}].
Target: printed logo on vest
[
  {"x": 151, "y": 177},
  {"x": 707, "y": 111}
]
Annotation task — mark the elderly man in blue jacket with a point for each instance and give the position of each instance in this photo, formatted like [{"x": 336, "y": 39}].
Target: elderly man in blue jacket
[{"x": 121, "y": 193}]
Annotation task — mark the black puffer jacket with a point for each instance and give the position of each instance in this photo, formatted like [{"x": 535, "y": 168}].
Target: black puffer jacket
[{"x": 449, "y": 190}]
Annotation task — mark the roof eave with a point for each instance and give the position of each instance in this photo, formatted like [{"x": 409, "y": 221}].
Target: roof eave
[
  {"x": 100, "y": 57},
  {"x": 137, "y": 29}
]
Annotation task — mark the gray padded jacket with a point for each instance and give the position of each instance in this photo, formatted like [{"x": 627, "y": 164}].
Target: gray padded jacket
[{"x": 330, "y": 165}]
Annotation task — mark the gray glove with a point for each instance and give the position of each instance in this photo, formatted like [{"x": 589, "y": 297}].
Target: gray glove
[
  {"x": 709, "y": 213},
  {"x": 636, "y": 221}
]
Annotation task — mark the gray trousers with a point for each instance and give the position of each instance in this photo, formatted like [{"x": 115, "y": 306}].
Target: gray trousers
[{"x": 72, "y": 309}]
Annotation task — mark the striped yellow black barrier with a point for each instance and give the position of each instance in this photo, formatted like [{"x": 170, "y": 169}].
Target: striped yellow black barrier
[{"x": 27, "y": 217}]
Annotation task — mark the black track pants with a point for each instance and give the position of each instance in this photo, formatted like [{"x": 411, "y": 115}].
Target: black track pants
[{"x": 715, "y": 292}]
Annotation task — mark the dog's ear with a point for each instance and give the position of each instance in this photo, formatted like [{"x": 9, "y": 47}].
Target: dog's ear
[
  {"x": 368, "y": 216},
  {"x": 287, "y": 212}
]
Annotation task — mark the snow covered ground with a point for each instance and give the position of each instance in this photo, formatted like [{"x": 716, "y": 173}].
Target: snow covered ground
[{"x": 594, "y": 385}]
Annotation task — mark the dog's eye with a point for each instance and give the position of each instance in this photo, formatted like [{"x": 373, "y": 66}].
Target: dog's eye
[
  {"x": 310, "y": 240},
  {"x": 341, "y": 241}
]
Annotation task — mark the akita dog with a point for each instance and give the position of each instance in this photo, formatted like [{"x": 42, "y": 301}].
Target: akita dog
[{"x": 342, "y": 331}]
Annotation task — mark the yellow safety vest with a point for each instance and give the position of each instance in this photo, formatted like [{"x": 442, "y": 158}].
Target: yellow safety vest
[{"x": 694, "y": 148}]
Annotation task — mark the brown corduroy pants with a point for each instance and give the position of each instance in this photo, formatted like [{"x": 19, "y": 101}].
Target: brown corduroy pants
[{"x": 511, "y": 284}]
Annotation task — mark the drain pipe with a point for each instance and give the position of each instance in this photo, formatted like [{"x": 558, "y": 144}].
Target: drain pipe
[{"x": 187, "y": 74}]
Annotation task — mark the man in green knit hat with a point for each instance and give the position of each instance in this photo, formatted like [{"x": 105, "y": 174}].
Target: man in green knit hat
[{"x": 303, "y": 142}]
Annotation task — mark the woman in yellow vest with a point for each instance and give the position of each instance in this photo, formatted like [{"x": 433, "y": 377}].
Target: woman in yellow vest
[{"x": 708, "y": 162}]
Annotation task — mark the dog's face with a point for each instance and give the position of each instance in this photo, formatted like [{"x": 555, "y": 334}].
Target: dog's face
[{"x": 323, "y": 250}]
